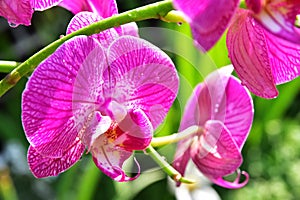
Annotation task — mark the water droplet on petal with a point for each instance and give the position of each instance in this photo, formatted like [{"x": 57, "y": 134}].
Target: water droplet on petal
[
  {"x": 13, "y": 25},
  {"x": 216, "y": 108}
]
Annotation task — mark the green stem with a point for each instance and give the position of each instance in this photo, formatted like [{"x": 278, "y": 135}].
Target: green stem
[
  {"x": 7, "y": 66},
  {"x": 152, "y": 11},
  {"x": 173, "y": 173},
  {"x": 175, "y": 137},
  {"x": 174, "y": 16}
]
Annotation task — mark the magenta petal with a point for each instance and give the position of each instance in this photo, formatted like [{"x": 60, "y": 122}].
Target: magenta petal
[
  {"x": 144, "y": 76},
  {"x": 136, "y": 131},
  {"x": 207, "y": 100},
  {"x": 235, "y": 184},
  {"x": 88, "y": 88},
  {"x": 130, "y": 29},
  {"x": 41, "y": 5},
  {"x": 109, "y": 159},
  {"x": 254, "y": 5},
  {"x": 83, "y": 19},
  {"x": 221, "y": 97},
  {"x": 182, "y": 155},
  {"x": 17, "y": 12},
  {"x": 279, "y": 18},
  {"x": 215, "y": 153},
  {"x": 76, "y": 6},
  {"x": 47, "y": 113},
  {"x": 239, "y": 111},
  {"x": 196, "y": 113},
  {"x": 42, "y": 166},
  {"x": 284, "y": 58},
  {"x": 97, "y": 126},
  {"x": 247, "y": 48},
  {"x": 208, "y": 18},
  {"x": 104, "y": 8}
]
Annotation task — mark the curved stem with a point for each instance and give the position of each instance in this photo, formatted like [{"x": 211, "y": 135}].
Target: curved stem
[
  {"x": 173, "y": 173},
  {"x": 8, "y": 66},
  {"x": 152, "y": 11},
  {"x": 175, "y": 137}
]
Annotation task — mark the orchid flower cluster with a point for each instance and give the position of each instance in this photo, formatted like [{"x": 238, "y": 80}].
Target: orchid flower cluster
[{"x": 104, "y": 90}]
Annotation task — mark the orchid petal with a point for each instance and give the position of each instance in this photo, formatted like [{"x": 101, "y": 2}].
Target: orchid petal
[
  {"x": 109, "y": 159},
  {"x": 215, "y": 88},
  {"x": 207, "y": 100},
  {"x": 255, "y": 5},
  {"x": 134, "y": 131},
  {"x": 42, "y": 166},
  {"x": 247, "y": 48},
  {"x": 235, "y": 184},
  {"x": 182, "y": 156},
  {"x": 47, "y": 113},
  {"x": 104, "y": 8},
  {"x": 16, "y": 12},
  {"x": 97, "y": 125},
  {"x": 215, "y": 153},
  {"x": 144, "y": 76},
  {"x": 196, "y": 113},
  {"x": 88, "y": 90},
  {"x": 221, "y": 97},
  {"x": 96, "y": 6},
  {"x": 41, "y": 5},
  {"x": 239, "y": 111},
  {"x": 84, "y": 19},
  {"x": 284, "y": 58},
  {"x": 279, "y": 18},
  {"x": 75, "y": 6},
  {"x": 130, "y": 29},
  {"x": 208, "y": 18}
]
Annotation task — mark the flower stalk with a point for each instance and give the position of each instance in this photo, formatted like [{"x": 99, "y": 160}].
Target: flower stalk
[
  {"x": 152, "y": 11},
  {"x": 176, "y": 137},
  {"x": 7, "y": 66},
  {"x": 166, "y": 167}
]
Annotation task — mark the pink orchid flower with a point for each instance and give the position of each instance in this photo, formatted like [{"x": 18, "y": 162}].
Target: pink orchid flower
[
  {"x": 263, "y": 42},
  {"x": 261, "y": 59},
  {"x": 20, "y": 12},
  {"x": 223, "y": 108},
  {"x": 105, "y": 93}
]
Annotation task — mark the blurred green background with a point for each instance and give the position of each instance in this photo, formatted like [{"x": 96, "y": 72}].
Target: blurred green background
[{"x": 271, "y": 153}]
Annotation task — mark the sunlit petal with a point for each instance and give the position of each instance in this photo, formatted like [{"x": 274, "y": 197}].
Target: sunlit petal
[
  {"x": 247, "y": 48},
  {"x": 144, "y": 76},
  {"x": 47, "y": 113},
  {"x": 208, "y": 19},
  {"x": 109, "y": 159},
  {"x": 45, "y": 4},
  {"x": 279, "y": 18},
  {"x": 215, "y": 153},
  {"x": 42, "y": 166},
  {"x": 84, "y": 19},
  {"x": 17, "y": 12}
]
